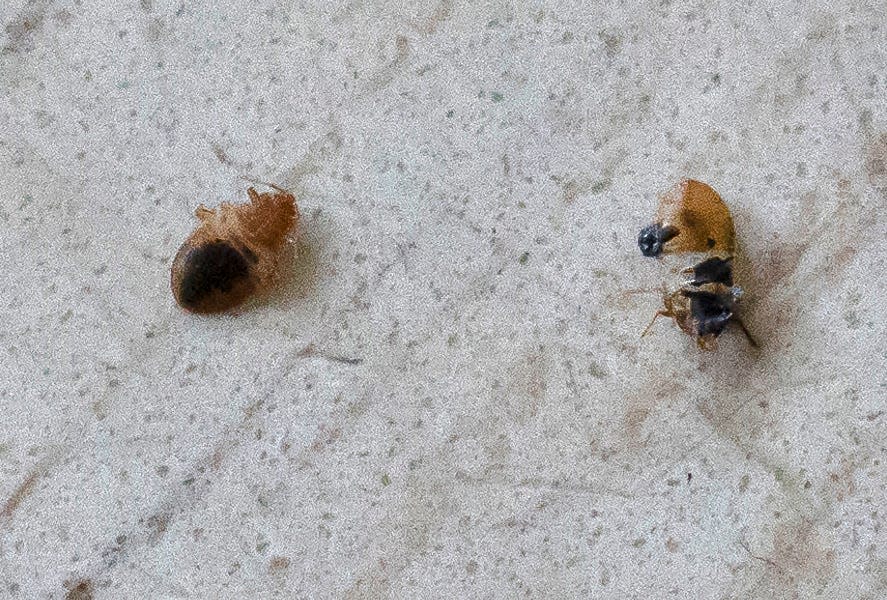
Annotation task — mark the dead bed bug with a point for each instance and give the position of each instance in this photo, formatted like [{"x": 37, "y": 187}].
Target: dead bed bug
[
  {"x": 692, "y": 219},
  {"x": 233, "y": 254}
]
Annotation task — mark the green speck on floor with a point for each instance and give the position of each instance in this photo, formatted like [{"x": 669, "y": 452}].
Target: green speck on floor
[
  {"x": 122, "y": 85},
  {"x": 597, "y": 371},
  {"x": 524, "y": 258},
  {"x": 599, "y": 186},
  {"x": 521, "y": 204},
  {"x": 450, "y": 113},
  {"x": 779, "y": 474},
  {"x": 385, "y": 479},
  {"x": 496, "y": 96}
]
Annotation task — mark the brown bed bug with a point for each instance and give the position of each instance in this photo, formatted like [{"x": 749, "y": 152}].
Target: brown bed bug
[
  {"x": 234, "y": 252},
  {"x": 693, "y": 219}
]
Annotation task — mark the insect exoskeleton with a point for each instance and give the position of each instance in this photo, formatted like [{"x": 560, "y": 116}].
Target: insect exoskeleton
[
  {"x": 693, "y": 221},
  {"x": 691, "y": 218},
  {"x": 234, "y": 252}
]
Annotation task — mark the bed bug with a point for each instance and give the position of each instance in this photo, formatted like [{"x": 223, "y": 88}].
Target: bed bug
[
  {"x": 234, "y": 252},
  {"x": 693, "y": 219}
]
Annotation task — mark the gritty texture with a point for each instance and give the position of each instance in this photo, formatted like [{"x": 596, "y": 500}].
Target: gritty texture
[{"x": 447, "y": 396}]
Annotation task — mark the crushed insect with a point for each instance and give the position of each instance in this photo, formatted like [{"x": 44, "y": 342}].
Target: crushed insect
[
  {"x": 234, "y": 252},
  {"x": 693, "y": 219}
]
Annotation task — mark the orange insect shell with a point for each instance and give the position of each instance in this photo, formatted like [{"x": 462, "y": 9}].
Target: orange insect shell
[
  {"x": 691, "y": 218},
  {"x": 234, "y": 253}
]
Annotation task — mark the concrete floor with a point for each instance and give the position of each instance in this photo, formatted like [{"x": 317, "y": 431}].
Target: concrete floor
[{"x": 472, "y": 176}]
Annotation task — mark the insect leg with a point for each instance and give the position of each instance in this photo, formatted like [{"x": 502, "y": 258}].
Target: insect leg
[{"x": 659, "y": 313}]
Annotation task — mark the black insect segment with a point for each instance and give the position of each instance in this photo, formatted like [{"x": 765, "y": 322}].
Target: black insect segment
[{"x": 216, "y": 266}]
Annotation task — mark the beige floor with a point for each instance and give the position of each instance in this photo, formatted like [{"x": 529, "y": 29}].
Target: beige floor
[{"x": 472, "y": 177}]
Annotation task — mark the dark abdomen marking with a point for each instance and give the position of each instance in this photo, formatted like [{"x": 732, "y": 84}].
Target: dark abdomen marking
[
  {"x": 713, "y": 270},
  {"x": 216, "y": 266},
  {"x": 711, "y": 312}
]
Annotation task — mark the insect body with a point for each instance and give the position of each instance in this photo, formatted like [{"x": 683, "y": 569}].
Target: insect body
[
  {"x": 234, "y": 252},
  {"x": 692, "y": 219}
]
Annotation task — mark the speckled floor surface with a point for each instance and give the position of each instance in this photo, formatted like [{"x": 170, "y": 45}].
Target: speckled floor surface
[{"x": 448, "y": 397}]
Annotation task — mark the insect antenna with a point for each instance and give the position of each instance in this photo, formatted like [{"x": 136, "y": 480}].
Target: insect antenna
[{"x": 270, "y": 185}]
